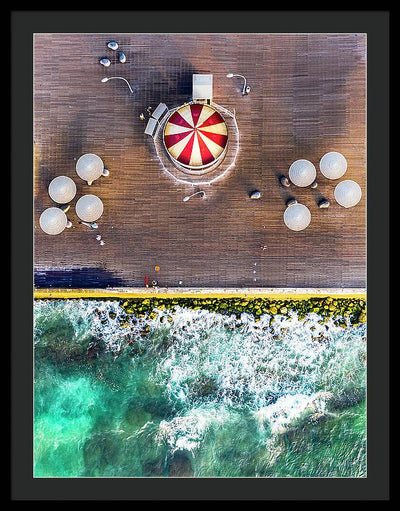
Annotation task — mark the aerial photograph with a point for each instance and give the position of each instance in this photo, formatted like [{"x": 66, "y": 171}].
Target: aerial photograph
[{"x": 200, "y": 255}]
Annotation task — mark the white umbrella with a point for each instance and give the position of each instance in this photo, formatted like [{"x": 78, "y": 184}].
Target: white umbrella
[
  {"x": 53, "y": 221},
  {"x": 89, "y": 208},
  {"x": 302, "y": 173},
  {"x": 333, "y": 165},
  {"x": 89, "y": 167},
  {"x": 348, "y": 193},
  {"x": 297, "y": 217},
  {"x": 62, "y": 189}
]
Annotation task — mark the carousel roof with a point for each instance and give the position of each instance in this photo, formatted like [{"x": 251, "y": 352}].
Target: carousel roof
[{"x": 195, "y": 135}]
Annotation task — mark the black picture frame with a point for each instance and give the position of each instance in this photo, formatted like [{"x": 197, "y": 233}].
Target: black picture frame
[{"x": 23, "y": 486}]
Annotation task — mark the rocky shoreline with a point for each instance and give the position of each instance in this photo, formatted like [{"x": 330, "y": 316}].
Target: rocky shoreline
[
  {"x": 345, "y": 310},
  {"x": 327, "y": 307}
]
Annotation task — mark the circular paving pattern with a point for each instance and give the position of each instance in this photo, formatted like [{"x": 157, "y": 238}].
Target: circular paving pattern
[{"x": 196, "y": 136}]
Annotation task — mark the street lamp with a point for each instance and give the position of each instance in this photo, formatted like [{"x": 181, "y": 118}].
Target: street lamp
[
  {"x": 185, "y": 199},
  {"x": 107, "y": 78},
  {"x": 246, "y": 88},
  {"x": 92, "y": 225}
]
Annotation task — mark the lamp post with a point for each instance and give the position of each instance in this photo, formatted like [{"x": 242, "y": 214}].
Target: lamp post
[
  {"x": 92, "y": 225},
  {"x": 107, "y": 78},
  {"x": 185, "y": 199},
  {"x": 246, "y": 88}
]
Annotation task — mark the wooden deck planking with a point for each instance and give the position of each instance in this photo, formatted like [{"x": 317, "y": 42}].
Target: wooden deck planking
[{"x": 308, "y": 97}]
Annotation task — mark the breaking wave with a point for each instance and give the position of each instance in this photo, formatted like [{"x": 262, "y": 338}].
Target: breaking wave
[{"x": 193, "y": 392}]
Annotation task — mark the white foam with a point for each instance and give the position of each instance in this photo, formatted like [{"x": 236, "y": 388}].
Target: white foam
[{"x": 251, "y": 366}]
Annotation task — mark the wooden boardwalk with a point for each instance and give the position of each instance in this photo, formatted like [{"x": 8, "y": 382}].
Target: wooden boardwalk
[{"x": 307, "y": 98}]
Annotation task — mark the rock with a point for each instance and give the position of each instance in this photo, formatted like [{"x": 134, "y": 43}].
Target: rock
[
  {"x": 105, "y": 62},
  {"x": 113, "y": 45},
  {"x": 324, "y": 204},
  {"x": 180, "y": 465}
]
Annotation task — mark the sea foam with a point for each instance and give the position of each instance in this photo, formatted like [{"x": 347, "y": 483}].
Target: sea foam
[{"x": 209, "y": 365}]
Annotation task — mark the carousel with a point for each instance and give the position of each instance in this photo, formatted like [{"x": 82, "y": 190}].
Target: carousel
[{"x": 195, "y": 137}]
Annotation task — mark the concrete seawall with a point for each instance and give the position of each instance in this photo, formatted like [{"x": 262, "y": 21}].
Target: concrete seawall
[{"x": 272, "y": 293}]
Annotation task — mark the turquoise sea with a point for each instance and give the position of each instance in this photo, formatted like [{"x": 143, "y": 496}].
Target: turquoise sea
[{"x": 200, "y": 394}]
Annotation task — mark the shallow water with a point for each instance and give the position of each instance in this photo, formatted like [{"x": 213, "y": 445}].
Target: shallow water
[{"x": 198, "y": 396}]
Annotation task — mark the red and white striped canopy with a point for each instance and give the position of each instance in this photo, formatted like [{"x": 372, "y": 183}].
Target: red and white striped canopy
[{"x": 195, "y": 135}]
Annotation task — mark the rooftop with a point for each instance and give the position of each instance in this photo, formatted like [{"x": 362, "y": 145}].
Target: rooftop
[{"x": 307, "y": 98}]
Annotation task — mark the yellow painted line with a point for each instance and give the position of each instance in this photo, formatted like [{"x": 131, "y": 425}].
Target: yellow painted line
[
  {"x": 278, "y": 294},
  {"x": 35, "y": 158}
]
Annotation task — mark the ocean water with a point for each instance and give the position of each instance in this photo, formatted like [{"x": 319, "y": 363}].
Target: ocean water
[{"x": 193, "y": 393}]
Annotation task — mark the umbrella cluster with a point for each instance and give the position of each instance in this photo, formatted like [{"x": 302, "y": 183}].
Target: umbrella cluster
[
  {"x": 302, "y": 173},
  {"x": 62, "y": 190}
]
